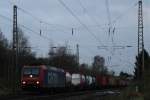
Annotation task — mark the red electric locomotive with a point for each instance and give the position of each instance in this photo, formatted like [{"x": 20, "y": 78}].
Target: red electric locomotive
[
  {"x": 32, "y": 76},
  {"x": 43, "y": 77}
]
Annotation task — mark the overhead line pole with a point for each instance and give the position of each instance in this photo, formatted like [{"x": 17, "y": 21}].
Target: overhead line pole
[
  {"x": 15, "y": 49},
  {"x": 140, "y": 38}
]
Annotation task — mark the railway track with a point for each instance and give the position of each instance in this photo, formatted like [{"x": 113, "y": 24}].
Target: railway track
[{"x": 59, "y": 96}]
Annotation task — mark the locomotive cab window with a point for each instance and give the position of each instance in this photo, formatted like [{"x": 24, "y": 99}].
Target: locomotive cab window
[
  {"x": 31, "y": 71},
  {"x": 35, "y": 71},
  {"x": 26, "y": 71}
]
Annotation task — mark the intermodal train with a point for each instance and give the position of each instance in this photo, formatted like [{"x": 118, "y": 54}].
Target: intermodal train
[{"x": 52, "y": 78}]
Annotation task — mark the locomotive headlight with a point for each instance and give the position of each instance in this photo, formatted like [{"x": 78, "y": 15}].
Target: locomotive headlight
[
  {"x": 23, "y": 82},
  {"x": 37, "y": 82},
  {"x": 31, "y": 76}
]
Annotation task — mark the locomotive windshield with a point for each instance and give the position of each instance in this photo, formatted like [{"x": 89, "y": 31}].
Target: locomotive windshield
[{"x": 31, "y": 71}]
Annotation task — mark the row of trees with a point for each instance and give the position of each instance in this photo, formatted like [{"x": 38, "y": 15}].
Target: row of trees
[
  {"x": 138, "y": 64},
  {"x": 25, "y": 56},
  {"x": 143, "y": 78},
  {"x": 62, "y": 57},
  {"x": 58, "y": 56}
]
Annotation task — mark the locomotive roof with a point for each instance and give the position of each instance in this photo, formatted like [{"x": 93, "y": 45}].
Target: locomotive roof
[
  {"x": 55, "y": 69},
  {"x": 40, "y": 66},
  {"x": 46, "y": 67}
]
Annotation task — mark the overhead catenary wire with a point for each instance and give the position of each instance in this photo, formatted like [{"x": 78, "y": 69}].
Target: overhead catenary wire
[
  {"x": 6, "y": 18},
  {"x": 40, "y": 20},
  {"x": 86, "y": 26},
  {"x": 27, "y": 28},
  {"x": 37, "y": 18},
  {"x": 108, "y": 14},
  {"x": 116, "y": 19},
  {"x": 111, "y": 28},
  {"x": 124, "y": 13},
  {"x": 111, "y": 23},
  {"x": 31, "y": 30},
  {"x": 38, "y": 33},
  {"x": 74, "y": 15},
  {"x": 90, "y": 17},
  {"x": 44, "y": 22}
]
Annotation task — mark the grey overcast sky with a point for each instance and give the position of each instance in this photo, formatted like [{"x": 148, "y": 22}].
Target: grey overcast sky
[{"x": 90, "y": 32}]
